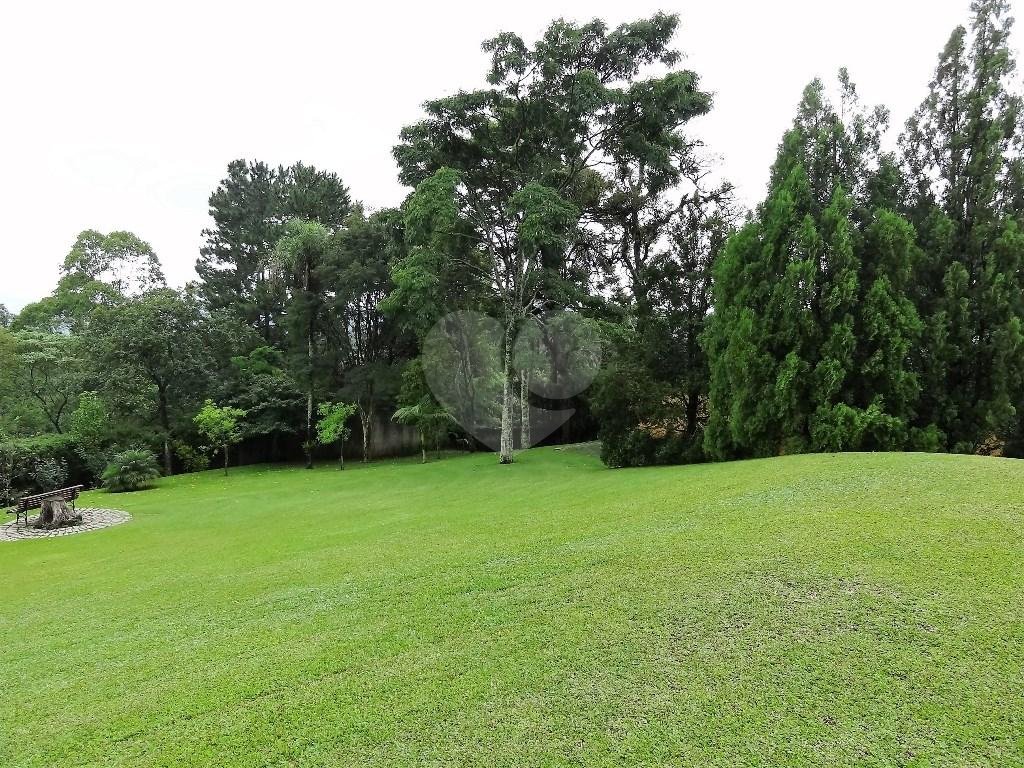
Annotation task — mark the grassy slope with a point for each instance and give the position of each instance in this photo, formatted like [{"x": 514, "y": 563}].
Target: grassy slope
[{"x": 815, "y": 610}]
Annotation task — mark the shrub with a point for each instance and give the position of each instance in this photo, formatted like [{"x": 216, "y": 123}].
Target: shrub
[
  {"x": 50, "y": 474},
  {"x": 192, "y": 459},
  {"x": 34, "y": 464},
  {"x": 928, "y": 440},
  {"x": 131, "y": 470}
]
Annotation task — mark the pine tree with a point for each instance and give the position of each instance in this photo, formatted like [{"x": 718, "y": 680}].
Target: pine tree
[
  {"x": 249, "y": 210},
  {"x": 235, "y": 262},
  {"x": 812, "y": 326},
  {"x": 958, "y": 151}
]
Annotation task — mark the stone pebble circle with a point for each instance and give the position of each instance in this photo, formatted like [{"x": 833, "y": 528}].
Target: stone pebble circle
[{"x": 92, "y": 520}]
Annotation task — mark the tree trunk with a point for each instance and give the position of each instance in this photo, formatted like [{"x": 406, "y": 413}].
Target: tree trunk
[
  {"x": 168, "y": 457},
  {"x": 56, "y": 514},
  {"x": 225, "y": 458},
  {"x": 508, "y": 403},
  {"x": 307, "y": 446},
  {"x": 165, "y": 422},
  {"x": 341, "y": 455},
  {"x": 692, "y": 403},
  {"x": 468, "y": 377},
  {"x": 309, "y": 394},
  {"x": 524, "y": 409},
  {"x": 423, "y": 447},
  {"x": 366, "y": 421}
]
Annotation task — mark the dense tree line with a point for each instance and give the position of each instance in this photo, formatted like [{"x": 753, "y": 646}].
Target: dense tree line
[{"x": 871, "y": 301}]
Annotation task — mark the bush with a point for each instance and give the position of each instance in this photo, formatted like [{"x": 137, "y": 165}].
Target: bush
[
  {"x": 36, "y": 464},
  {"x": 192, "y": 459},
  {"x": 50, "y": 474},
  {"x": 928, "y": 440},
  {"x": 842, "y": 427},
  {"x": 131, "y": 470}
]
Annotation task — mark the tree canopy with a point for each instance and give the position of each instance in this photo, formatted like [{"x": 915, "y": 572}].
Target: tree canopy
[{"x": 872, "y": 300}]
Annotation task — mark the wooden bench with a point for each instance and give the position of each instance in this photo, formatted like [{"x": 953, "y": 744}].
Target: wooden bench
[{"x": 28, "y": 503}]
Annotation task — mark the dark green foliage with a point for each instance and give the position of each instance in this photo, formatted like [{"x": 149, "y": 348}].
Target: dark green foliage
[
  {"x": 651, "y": 400},
  {"x": 872, "y": 301},
  {"x": 192, "y": 458},
  {"x": 640, "y": 408},
  {"x": 249, "y": 211},
  {"x": 155, "y": 352},
  {"x": 812, "y": 322},
  {"x": 11, "y": 399},
  {"x": 50, "y": 474},
  {"x": 270, "y": 397},
  {"x": 367, "y": 347},
  {"x": 48, "y": 372},
  {"x": 90, "y": 429},
  {"x": 961, "y": 154},
  {"x": 419, "y": 408},
  {"x": 131, "y": 470},
  {"x": 512, "y": 169},
  {"x": 299, "y": 259},
  {"x": 32, "y": 464}
]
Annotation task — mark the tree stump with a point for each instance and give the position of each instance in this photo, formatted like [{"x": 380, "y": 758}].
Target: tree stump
[{"x": 56, "y": 513}]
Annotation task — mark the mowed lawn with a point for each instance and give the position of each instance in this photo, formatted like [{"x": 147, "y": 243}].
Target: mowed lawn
[{"x": 811, "y": 610}]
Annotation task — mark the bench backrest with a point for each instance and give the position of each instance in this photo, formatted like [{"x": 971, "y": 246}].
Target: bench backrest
[{"x": 63, "y": 494}]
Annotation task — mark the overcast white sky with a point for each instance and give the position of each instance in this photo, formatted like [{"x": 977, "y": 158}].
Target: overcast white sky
[{"x": 125, "y": 115}]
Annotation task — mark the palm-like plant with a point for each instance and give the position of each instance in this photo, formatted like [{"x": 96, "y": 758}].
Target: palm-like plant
[
  {"x": 430, "y": 419},
  {"x": 130, "y": 470}
]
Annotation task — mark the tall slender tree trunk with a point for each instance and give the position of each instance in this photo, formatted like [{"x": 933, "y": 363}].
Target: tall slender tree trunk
[
  {"x": 524, "y": 409},
  {"x": 308, "y": 446},
  {"x": 366, "y": 420},
  {"x": 165, "y": 422},
  {"x": 168, "y": 456},
  {"x": 508, "y": 408},
  {"x": 692, "y": 403},
  {"x": 341, "y": 455},
  {"x": 309, "y": 383},
  {"x": 468, "y": 378},
  {"x": 225, "y": 459}
]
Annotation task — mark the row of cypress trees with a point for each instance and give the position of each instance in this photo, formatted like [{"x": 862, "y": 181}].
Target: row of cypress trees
[{"x": 873, "y": 300}]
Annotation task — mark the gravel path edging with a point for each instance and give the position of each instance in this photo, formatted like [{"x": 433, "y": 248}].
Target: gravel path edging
[{"x": 93, "y": 519}]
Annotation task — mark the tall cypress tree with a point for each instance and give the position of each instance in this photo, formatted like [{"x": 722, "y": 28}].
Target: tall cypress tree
[
  {"x": 957, "y": 149},
  {"x": 812, "y": 327}
]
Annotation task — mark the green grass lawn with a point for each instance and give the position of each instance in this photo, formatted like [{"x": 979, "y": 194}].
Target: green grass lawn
[{"x": 813, "y": 610}]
